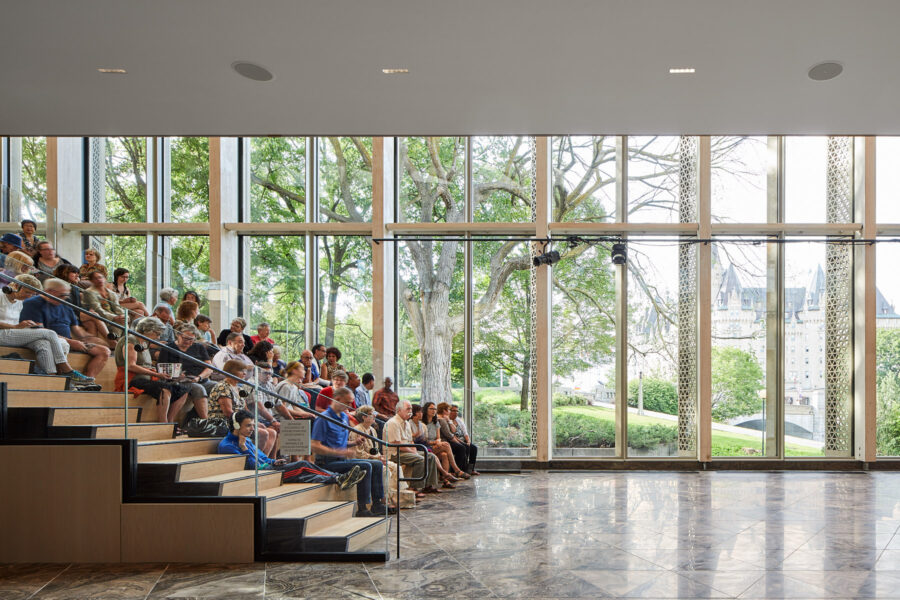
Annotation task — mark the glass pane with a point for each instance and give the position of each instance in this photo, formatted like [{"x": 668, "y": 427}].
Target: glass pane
[
  {"x": 345, "y": 285},
  {"x": 739, "y": 314},
  {"x": 277, "y": 179},
  {"x": 501, "y": 351},
  {"x": 189, "y": 179},
  {"x": 432, "y": 180},
  {"x": 125, "y": 252},
  {"x": 345, "y": 179},
  {"x": 887, "y": 179},
  {"x": 739, "y": 179},
  {"x": 28, "y": 178},
  {"x": 584, "y": 294},
  {"x": 887, "y": 353},
  {"x": 805, "y": 165},
  {"x": 804, "y": 347},
  {"x": 277, "y": 289},
  {"x": 189, "y": 264},
  {"x": 584, "y": 178},
  {"x": 431, "y": 294},
  {"x": 501, "y": 174},
  {"x": 653, "y": 165},
  {"x": 123, "y": 165},
  {"x": 653, "y": 349}
]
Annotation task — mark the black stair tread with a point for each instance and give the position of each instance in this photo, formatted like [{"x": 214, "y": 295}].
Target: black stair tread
[{"x": 349, "y": 527}]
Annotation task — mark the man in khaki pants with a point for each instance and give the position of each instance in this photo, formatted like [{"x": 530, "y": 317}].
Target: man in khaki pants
[{"x": 397, "y": 432}]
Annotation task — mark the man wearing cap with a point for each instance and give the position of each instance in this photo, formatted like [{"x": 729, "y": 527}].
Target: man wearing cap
[{"x": 10, "y": 242}]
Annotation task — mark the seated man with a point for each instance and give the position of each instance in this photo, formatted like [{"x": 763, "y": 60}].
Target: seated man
[
  {"x": 50, "y": 313},
  {"x": 462, "y": 436},
  {"x": 308, "y": 358},
  {"x": 194, "y": 375},
  {"x": 49, "y": 349},
  {"x": 240, "y": 441},
  {"x": 169, "y": 296},
  {"x": 329, "y": 444},
  {"x": 262, "y": 334},
  {"x": 233, "y": 350},
  {"x": 397, "y": 432},
  {"x": 385, "y": 400},
  {"x": 338, "y": 381}
]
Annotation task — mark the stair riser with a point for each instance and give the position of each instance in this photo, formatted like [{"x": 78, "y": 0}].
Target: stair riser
[
  {"x": 351, "y": 543},
  {"x": 64, "y": 399},
  {"x": 35, "y": 382},
  {"x": 210, "y": 467},
  {"x": 319, "y": 522},
  {"x": 92, "y": 416},
  {"x": 77, "y": 361},
  {"x": 21, "y": 367},
  {"x": 369, "y": 536},
  {"x": 325, "y": 492},
  {"x": 178, "y": 449},
  {"x": 141, "y": 433},
  {"x": 247, "y": 486}
]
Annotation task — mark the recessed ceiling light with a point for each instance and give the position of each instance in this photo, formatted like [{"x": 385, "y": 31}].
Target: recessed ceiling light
[
  {"x": 825, "y": 71},
  {"x": 113, "y": 71},
  {"x": 681, "y": 70},
  {"x": 252, "y": 71},
  {"x": 394, "y": 71}
]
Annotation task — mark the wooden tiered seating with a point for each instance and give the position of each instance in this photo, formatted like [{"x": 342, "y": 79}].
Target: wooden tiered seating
[
  {"x": 105, "y": 379},
  {"x": 300, "y": 518}
]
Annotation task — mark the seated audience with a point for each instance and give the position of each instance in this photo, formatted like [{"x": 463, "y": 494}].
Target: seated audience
[
  {"x": 103, "y": 301},
  {"x": 18, "y": 263},
  {"x": 240, "y": 441},
  {"x": 318, "y": 352},
  {"x": 449, "y": 470},
  {"x": 385, "y": 400},
  {"x": 47, "y": 260},
  {"x": 332, "y": 356},
  {"x": 290, "y": 388},
  {"x": 462, "y": 436},
  {"x": 237, "y": 326},
  {"x": 119, "y": 285},
  {"x": 312, "y": 379},
  {"x": 262, "y": 352},
  {"x": 262, "y": 334},
  {"x": 187, "y": 312},
  {"x": 225, "y": 399},
  {"x": 9, "y": 242},
  {"x": 61, "y": 319},
  {"x": 195, "y": 374},
  {"x": 329, "y": 443},
  {"x": 29, "y": 239},
  {"x": 232, "y": 350},
  {"x": 361, "y": 387},
  {"x": 460, "y": 451},
  {"x": 204, "y": 324},
  {"x": 263, "y": 373},
  {"x": 338, "y": 381},
  {"x": 192, "y": 296},
  {"x": 92, "y": 265},
  {"x": 397, "y": 431},
  {"x": 169, "y": 296},
  {"x": 49, "y": 349},
  {"x": 170, "y": 395},
  {"x": 366, "y": 449},
  {"x": 277, "y": 364},
  {"x": 94, "y": 327}
]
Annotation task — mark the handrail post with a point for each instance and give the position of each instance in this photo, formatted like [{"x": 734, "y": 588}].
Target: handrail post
[
  {"x": 125, "y": 352},
  {"x": 254, "y": 397}
]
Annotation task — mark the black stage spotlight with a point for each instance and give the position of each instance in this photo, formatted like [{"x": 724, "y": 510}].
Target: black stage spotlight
[
  {"x": 547, "y": 258},
  {"x": 619, "y": 254}
]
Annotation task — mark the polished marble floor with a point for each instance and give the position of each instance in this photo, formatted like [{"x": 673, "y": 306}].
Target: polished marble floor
[{"x": 573, "y": 535}]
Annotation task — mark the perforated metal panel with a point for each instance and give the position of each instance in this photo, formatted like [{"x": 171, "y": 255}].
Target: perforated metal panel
[
  {"x": 838, "y": 301},
  {"x": 688, "y": 197},
  {"x": 97, "y": 186}
]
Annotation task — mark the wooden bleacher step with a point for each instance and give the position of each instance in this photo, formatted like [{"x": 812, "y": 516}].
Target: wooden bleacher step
[
  {"x": 92, "y": 416},
  {"x": 235, "y": 483},
  {"x": 15, "y": 365},
  {"x": 155, "y": 450},
  {"x": 206, "y": 465},
  {"x": 35, "y": 383},
  {"x": 351, "y": 535},
  {"x": 77, "y": 360},
  {"x": 137, "y": 431},
  {"x": 23, "y": 398}
]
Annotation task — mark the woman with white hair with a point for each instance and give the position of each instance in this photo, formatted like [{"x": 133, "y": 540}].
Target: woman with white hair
[
  {"x": 369, "y": 450},
  {"x": 49, "y": 349}
]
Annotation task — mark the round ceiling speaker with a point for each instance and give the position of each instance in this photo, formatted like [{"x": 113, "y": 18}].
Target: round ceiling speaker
[
  {"x": 825, "y": 71},
  {"x": 252, "y": 71}
]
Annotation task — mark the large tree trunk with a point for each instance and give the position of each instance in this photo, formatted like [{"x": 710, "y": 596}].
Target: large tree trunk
[{"x": 436, "y": 347}]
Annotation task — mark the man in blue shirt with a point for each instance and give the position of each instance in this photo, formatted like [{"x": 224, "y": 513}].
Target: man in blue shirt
[
  {"x": 329, "y": 444},
  {"x": 239, "y": 441},
  {"x": 50, "y": 314}
]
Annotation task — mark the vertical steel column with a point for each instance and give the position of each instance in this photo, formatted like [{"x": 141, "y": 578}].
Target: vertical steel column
[
  {"x": 774, "y": 301},
  {"x": 687, "y": 300},
  {"x": 704, "y": 300},
  {"x": 838, "y": 301},
  {"x": 621, "y": 304},
  {"x": 311, "y": 254},
  {"x": 469, "y": 335}
]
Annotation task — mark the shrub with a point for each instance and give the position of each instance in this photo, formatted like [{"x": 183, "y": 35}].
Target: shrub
[
  {"x": 573, "y": 400},
  {"x": 659, "y": 395}
]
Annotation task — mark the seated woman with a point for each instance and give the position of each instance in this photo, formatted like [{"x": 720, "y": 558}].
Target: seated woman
[
  {"x": 192, "y": 296},
  {"x": 204, "y": 324},
  {"x": 240, "y": 441},
  {"x": 94, "y": 327},
  {"x": 119, "y": 285},
  {"x": 29, "y": 240},
  {"x": 332, "y": 362},
  {"x": 49, "y": 349},
  {"x": 289, "y": 387},
  {"x": 440, "y": 448},
  {"x": 448, "y": 428},
  {"x": 170, "y": 396},
  {"x": 103, "y": 301},
  {"x": 262, "y": 352},
  {"x": 225, "y": 399},
  {"x": 187, "y": 311},
  {"x": 278, "y": 364},
  {"x": 366, "y": 449},
  {"x": 91, "y": 265}
]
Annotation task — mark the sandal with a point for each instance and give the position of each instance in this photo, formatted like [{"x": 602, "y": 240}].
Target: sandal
[
  {"x": 462, "y": 475},
  {"x": 448, "y": 486},
  {"x": 420, "y": 494}
]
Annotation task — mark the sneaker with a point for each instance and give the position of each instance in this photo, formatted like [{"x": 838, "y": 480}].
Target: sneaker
[
  {"x": 378, "y": 509},
  {"x": 78, "y": 377},
  {"x": 350, "y": 478},
  {"x": 86, "y": 387}
]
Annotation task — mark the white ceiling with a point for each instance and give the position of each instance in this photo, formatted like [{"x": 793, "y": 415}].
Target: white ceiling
[{"x": 476, "y": 66}]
